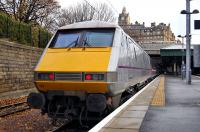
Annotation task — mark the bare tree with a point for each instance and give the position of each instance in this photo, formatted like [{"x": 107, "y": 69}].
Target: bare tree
[
  {"x": 35, "y": 11},
  {"x": 104, "y": 13},
  {"x": 84, "y": 12},
  {"x": 48, "y": 14}
]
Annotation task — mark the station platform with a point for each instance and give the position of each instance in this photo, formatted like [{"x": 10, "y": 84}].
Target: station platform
[{"x": 166, "y": 104}]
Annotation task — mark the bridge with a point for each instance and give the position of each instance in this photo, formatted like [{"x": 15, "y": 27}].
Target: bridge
[
  {"x": 167, "y": 57},
  {"x": 153, "y": 50}
]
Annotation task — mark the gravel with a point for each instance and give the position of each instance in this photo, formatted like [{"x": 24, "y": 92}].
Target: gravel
[
  {"x": 30, "y": 120},
  {"x": 27, "y": 121}
]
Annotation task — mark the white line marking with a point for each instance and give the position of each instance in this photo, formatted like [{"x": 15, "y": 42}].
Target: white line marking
[{"x": 101, "y": 124}]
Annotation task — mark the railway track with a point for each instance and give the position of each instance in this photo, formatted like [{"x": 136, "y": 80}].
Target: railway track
[
  {"x": 60, "y": 128},
  {"x": 74, "y": 126},
  {"x": 70, "y": 127},
  {"x": 10, "y": 109}
]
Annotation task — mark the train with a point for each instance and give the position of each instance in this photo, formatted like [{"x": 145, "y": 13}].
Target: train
[{"x": 87, "y": 70}]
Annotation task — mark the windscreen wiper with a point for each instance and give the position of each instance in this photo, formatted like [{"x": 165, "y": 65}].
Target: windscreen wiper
[
  {"x": 73, "y": 44},
  {"x": 85, "y": 43}
]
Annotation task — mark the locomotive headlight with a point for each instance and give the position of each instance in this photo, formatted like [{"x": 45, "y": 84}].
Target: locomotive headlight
[
  {"x": 98, "y": 76},
  {"x": 88, "y": 76},
  {"x": 44, "y": 76},
  {"x": 106, "y": 77},
  {"x": 94, "y": 77}
]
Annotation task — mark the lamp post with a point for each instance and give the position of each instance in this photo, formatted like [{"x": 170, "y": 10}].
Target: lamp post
[
  {"x": 188, "y": 40},
  {"x": 182, "y": 56}
]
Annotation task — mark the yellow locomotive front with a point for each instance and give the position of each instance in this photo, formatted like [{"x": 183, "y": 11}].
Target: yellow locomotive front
[{"x": 72, "y": 75}]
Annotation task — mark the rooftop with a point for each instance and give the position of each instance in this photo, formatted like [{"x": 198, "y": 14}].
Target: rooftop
[
  {"x": 90, "y": 24},
  {"x": 175, "y": 47},
  {"x": 155, "y": 45}
]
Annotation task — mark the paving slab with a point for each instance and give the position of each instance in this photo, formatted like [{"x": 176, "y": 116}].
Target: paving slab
[
  {"x": 181, "y": 112},
  {"x": 126, "y": 123},
  {"x": 129, "y": 116},
  {"x": 132, "y": 114},
  {"x": 117, "y": 130},
  {"x": 135, "y": 108}
]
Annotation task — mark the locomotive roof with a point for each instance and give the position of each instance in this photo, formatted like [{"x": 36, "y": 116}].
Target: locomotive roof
[{"x": 90, "y": 24}]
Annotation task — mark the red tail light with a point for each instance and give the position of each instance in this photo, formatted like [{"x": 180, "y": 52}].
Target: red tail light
[
  {"x": 88, "y": 77},
  {"x": 51, "y": 76},
  {"x": 94, "y": 77},
  {"x": 45, "y": 76}
]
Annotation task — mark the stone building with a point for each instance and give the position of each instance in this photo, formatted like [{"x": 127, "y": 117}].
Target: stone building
[
  {"x": 142, "y": 34},
  {"x": 124, "y": 18},
  {"x": 152, "y": 39}
]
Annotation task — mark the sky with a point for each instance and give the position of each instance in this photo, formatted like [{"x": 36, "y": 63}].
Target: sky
[{"x": 148, "y": 11}]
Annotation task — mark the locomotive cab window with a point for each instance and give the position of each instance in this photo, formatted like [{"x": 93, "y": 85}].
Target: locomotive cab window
[{"x": 83, "y": 38}]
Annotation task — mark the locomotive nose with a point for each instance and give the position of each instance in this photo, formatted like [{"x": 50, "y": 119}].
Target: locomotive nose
[{"x": 36, "y": 100}]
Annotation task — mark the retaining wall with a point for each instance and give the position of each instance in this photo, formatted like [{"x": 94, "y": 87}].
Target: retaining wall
[{"x": 17, "y": 63}]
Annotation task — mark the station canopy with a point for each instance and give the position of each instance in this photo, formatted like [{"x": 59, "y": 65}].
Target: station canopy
[{"x": 175, "y": 50}]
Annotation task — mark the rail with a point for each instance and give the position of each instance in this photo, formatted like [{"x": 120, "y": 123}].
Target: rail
[{"x": 6, "y": 110}]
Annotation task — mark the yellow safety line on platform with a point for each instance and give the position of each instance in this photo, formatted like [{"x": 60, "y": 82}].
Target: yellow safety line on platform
[{"x": 159, "y": 96}]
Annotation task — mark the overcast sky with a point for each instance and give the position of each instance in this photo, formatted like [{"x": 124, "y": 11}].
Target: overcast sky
[{"x": 166, "y": 11}]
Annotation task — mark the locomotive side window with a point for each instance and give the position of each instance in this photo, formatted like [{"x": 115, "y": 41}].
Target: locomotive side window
[
  {"x": 123, "y": 40},
  {"x": 135, "y": 54},
  {"x": 127, "y": 44},
  {"x": 131, "y": 43}
]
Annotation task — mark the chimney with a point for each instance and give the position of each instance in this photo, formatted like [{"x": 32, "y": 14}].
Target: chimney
[{"x": 153, "y": 24}]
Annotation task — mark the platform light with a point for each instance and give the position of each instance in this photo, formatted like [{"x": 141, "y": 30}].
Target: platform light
[
  {"x": 182, "y": 56},
  {"x": 188, "y": 41},
  {"x": 193, "y": 12}
]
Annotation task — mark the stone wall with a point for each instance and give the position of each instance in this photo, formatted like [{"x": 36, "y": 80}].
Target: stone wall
[{"x": 17, "y": 63}]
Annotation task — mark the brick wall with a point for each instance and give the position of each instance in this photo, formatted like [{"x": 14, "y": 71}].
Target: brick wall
[{"x": 16, "y": 66}]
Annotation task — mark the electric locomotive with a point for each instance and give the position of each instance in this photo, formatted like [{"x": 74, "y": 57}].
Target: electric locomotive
[{"x": 88, "y": 67}]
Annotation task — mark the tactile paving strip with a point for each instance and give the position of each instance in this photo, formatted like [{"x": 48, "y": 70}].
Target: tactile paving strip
[{"x": 159, "y": 97}]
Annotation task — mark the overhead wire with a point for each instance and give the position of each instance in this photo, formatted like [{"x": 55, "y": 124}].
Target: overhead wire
[
  {"x": 112, "y": 6},
  {"x": 92, "y": 6},
  {"x": 98, "y": 11}
]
